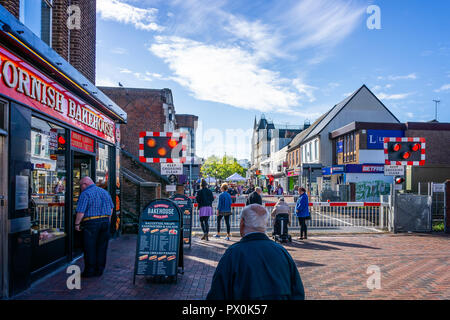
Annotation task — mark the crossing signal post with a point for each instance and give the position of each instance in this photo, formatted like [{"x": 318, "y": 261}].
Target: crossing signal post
[{"x": 407, "y": 151}]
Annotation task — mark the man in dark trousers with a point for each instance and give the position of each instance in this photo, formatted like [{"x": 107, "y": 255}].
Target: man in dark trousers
[
  {"x": 256, "y": 268},
  {"x": 94, "y": 209},
  {"x": 255, "y": 197}
]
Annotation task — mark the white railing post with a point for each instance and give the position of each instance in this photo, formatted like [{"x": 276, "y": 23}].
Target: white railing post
[{"x": 381, "y": 214}]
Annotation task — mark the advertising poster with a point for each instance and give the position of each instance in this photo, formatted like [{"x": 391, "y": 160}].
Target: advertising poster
[{"x": 186, "y": 207}]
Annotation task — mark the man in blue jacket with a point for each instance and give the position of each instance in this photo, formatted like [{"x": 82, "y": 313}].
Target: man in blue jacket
[
  {"x": 256, "y": 268},
  {"x": 302, "y": 212}
]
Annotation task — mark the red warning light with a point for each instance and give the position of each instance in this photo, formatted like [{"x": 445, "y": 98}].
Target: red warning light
[
  {"x": 151, "y": 142},
  {"x": 406, "y": 155},
  {"x": 172, "y": 143},
  {"x": 61, "y": 140},
  {"x": 396, "y": 147},
  {"x": 416, "y": 147},
  {"x": 162, "y": 152}
]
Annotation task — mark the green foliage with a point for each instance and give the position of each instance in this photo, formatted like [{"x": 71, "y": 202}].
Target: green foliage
[
  {"x": 221, "y": 168},
  {"x": 438, "y": 226}
]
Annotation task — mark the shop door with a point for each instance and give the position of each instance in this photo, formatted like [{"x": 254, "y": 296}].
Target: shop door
[
  {"x": 3, "y": 216},
  {"x": 3, "y": 199},
  {"x": 82, "y": 167}
]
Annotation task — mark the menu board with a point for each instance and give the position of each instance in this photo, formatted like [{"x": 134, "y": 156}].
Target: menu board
[
  {"x": 158, "y": 243},
  {"x": 185, "y": 205}
]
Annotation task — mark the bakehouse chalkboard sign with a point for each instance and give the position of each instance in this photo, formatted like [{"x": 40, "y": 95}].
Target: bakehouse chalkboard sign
[
  {"x": 185, "y": 205},
  {"x": 159, "y": 247}
]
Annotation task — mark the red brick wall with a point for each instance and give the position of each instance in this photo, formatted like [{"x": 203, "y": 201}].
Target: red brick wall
[
  {"x": 82, "y": 42},
  {"x": 12, "y": 6},
  {"x": 186, "y": 120},
  {"x": 437, "y": 150},
  {"x": 145, "y": 113},
  {"x": 60, "y": 32}
]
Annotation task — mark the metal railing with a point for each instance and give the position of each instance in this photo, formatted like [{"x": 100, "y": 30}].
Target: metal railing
[{"x": 339, "y": 216}]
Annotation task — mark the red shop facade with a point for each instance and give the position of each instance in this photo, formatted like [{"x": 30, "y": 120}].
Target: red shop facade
[{"x": 51, "y": 135}]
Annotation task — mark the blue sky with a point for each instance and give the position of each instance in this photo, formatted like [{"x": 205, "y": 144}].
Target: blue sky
[{"x": 229, "y": 61}]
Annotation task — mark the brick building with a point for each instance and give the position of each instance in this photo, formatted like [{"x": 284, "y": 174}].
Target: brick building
[
  {"x": 148, "y": 110},
  {"x": 75, "y": 45}
]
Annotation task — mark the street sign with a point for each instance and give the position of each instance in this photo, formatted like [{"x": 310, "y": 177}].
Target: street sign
[
  {"x": 173, "y": 179},
  {"x": 171, "y": 188},
  {"x": 186, "y": 207},
  {"x": 393, "y": 170},
  {"x": 168, "y": 169},
  {"x": 438, "y": 187},
  {"x": 398, "y": 187},
  {"x": 159, "y": 249}
]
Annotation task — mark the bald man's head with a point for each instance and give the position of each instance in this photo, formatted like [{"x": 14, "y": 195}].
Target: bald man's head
[
  {"x": 85, "y": 182},
  {"x": 254, "y": 218}
]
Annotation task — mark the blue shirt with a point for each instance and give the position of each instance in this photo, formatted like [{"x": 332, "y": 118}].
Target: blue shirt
[
  {"x": 94, "y": 201},
  {"x": 225, "y": 201},
  {"x": 302, "y": 206}
]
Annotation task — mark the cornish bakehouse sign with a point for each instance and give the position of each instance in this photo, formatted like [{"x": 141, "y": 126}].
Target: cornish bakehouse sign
[{"x": 24, "y": 83}]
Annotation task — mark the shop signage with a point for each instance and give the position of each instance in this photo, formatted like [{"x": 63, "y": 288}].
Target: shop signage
[
  {"x": 82, "y": 142},
  {"x": 294, "y": 173},
  {"x": 22, "y": 82},
  {"x": 337, "y": 169},
  {"x": 393, "y": 170},
  {"x": 375, "y": 138},
  {"x": 372, "y": 168},
  {"x": 158, "y": 249},
  {"x": 168, "y": 169},
  {"x": 186, "y": 207},
  {"x": 366, "y": 168},
  {"x": 326, "y": 171}
]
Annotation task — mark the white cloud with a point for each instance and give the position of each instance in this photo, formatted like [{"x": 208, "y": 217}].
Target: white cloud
[
  {"x": 445, "y": 87},
  {"x": 125, "y": 70},
  {"x": 119, "y": 50},
  {"x": 105, "y": 82},
  {"x": 323, "y": 23},
  {"x": 410, "y": 114},
  {"x": 229, "y": 75},
  {"x": 143, "y": 19},
  {"x": 398, "y": 96},
  {"x": 411, "y": 76}
]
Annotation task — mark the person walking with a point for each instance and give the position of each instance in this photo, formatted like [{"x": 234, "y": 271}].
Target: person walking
[
  {"x": 302, "y": 212},
  {"x": 205, "y": 199},
  {"x": 94, "y": 209},
  {"x": 255, "y": 197},
  {"x": 256, "y": 268},
  {"x": 224, "y": 210}
]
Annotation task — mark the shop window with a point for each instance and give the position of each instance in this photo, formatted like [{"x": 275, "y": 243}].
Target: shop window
[
  {"x": 37, "y": 16},
  {"x": 3, "y": 115},
  {"x": 102, "y": 166},
  {"x": 48, "y": 180}
]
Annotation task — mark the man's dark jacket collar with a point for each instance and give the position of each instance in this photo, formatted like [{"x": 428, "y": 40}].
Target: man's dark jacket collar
[{"x": 255, "y": 236}]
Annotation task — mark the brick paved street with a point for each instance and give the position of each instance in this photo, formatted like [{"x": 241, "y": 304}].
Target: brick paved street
[{"x": 332, "y": 267}]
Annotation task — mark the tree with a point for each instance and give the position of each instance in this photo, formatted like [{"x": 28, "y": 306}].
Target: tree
[{"x": 221, "y": 168}]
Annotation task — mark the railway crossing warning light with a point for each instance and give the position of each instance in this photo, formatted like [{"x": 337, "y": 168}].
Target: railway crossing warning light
[
  {"x": 404, "y": 151},
  {"x": 162, "y": 147}
]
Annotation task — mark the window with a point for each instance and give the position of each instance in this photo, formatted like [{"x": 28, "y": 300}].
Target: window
[
  {"x": 37, "y": 16},
  {"x": 48, "y": 180},
  {"x": 102, "y": 167},
  {"x": 316, "y": 150},
  {"x": 3, "y": 115}
]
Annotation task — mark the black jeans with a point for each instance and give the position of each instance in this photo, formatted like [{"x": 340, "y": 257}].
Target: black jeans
[
  {"x": 303, "y": 228},
  {"x": 227, "y": 222},
  {"x": 204, "y": 222},
  {"x": 96, "y": 235}
]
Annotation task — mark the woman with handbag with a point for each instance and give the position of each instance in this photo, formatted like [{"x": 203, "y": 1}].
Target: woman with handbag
[
  {"x": 224, "y": 210},
  {"x": 302, "y": 212}
]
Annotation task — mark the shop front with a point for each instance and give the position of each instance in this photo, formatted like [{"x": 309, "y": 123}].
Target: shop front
[{"x": 55, "y": 138}]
